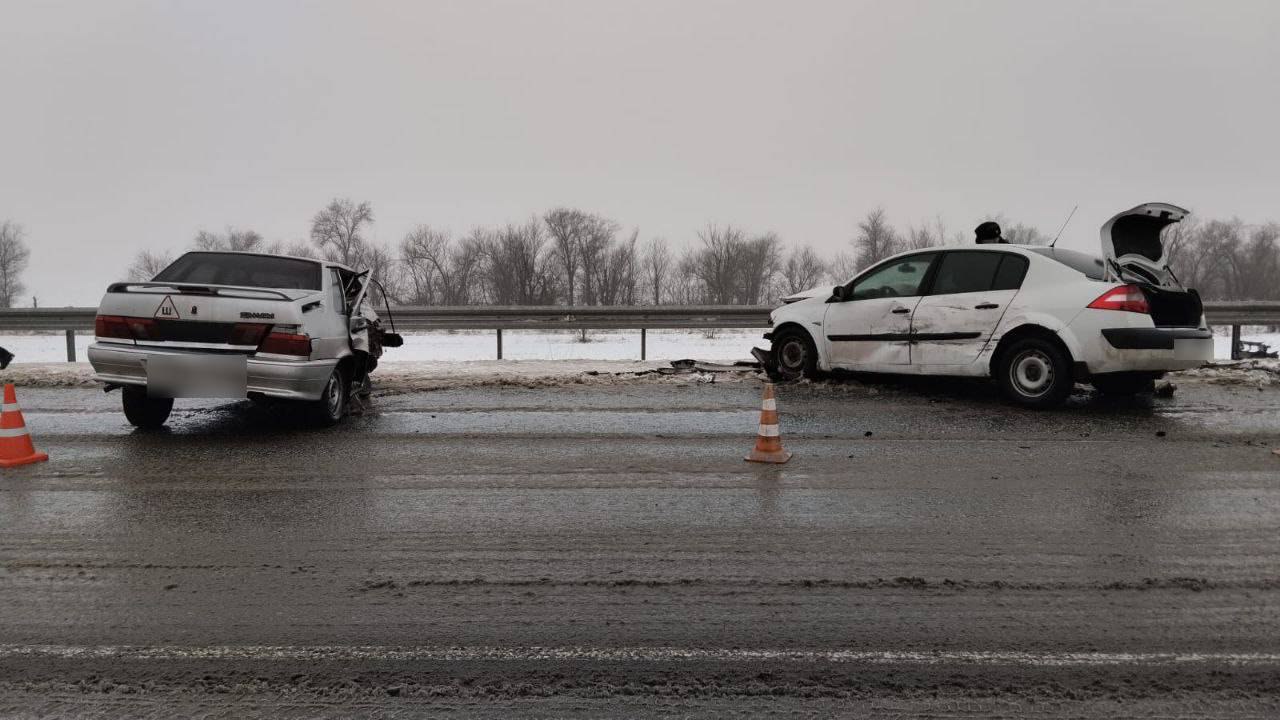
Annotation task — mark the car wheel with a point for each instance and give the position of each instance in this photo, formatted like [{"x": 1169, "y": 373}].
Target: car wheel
[
  {"x": 332, "y": 405},
  {"x": 1123, "y": 384},
  {"x": 142, "y": 410},
  {"x": 795, "y": 354},
  {"x": 1035, "y": 373}
]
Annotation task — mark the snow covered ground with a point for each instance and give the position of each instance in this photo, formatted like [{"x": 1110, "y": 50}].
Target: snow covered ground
[{"x": 717, "y": 346}]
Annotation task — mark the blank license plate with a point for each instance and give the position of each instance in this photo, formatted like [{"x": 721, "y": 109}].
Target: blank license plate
[{"x": 203, "y": 376}]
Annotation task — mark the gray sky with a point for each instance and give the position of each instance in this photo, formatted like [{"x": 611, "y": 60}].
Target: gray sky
[{"x": 130, "y": 125}]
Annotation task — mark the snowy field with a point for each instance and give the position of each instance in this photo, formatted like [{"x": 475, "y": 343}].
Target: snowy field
[{"x": 716, "y": 346}]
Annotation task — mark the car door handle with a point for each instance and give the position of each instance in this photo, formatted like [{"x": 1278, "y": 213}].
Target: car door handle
[
  {"x": 986, "y": 306},
  {"x": 900, "y": 311}
]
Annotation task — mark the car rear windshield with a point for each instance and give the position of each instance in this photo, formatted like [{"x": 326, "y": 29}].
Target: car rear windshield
[
  {"x": 1090, "y": 265},
  {"x": 259, "y": 271}
]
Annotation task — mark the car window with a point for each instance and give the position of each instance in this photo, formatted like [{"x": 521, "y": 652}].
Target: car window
[
  {"x": 966, "y": 272},
  {"x": 900, "y": 278},
  {"x": 259, "y": 271},
  {"x": 1090, "y": 265},
  {"x": 1013, "y": 268}
]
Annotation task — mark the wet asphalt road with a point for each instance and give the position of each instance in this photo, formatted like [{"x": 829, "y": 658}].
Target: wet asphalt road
[{"x": 604, "y": 551}]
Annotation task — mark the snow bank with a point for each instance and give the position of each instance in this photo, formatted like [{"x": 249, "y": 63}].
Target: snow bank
[{"x": 1251, "y": 373}]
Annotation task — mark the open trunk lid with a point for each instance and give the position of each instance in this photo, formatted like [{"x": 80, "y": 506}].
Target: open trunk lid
[
  {"x": 1133, "y": 248},
  {"x": 1134, "y": 252}
]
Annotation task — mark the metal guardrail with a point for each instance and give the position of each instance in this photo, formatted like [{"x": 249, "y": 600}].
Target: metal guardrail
[{"x": 550, "y": 317}]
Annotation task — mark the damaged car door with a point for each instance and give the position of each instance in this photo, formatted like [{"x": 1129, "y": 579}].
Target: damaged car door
[
  {"x": 868, "y": 321},
  {"x": 967, "y": 297}
]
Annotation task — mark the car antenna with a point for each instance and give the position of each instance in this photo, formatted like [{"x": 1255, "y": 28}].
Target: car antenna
[{"x": 1064, "y": 226}]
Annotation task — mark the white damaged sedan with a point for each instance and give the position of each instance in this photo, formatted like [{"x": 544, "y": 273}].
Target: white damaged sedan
[{"x": 1037, "y": 319}]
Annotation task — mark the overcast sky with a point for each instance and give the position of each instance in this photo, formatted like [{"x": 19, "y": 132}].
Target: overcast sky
[{"x": 131, "y": 125}]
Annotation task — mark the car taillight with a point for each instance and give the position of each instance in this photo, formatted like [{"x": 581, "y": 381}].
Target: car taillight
[
  {"x": 1128, "y": 298},
  {"x": 248, "y": 334},
  {"x": 286, "y": 344},
  {"x": 111, "y": 326},
  {"x": 125, "y": 328}
]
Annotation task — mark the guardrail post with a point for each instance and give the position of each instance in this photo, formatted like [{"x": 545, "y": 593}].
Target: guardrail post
[
  {"x": 71, "y": 346},
  {"x": 642, "y": 348},
  {"x": 1235, "y": 342},
  {"x": 499, "y": 343}
]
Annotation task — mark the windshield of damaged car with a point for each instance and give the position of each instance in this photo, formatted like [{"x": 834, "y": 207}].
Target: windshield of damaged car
[
  {"x": 1090, "y": 265},
  {"x": 900, "y": 278},
  {"x": 258, "y": 271}
]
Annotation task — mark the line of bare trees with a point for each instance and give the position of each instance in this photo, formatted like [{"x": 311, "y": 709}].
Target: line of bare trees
[{"x": 572, "y": 257}]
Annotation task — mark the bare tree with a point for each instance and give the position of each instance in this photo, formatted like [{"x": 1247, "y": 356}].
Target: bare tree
[
  {"x": 338, "y": 230},
  {"x": 1022, "y": 234},
  {"x": 876, "y": 239},
  {"x": 568, "y": 229},
  {"x": 594, "y": 248},
  {"x": 802, "y": 270},
  {"x": 438, "y": 270},
  {"x": 616, "y": 279},
  {"x": 148, "y": 264},
  {"x": 14, "y": 256},
  {"x": 231, "y": 240},
  {"x": 656, "y": 264},
  {"x": 518, "y": 270}
]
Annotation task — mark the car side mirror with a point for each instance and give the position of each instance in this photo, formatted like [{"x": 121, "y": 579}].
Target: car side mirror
[{"x": 839, "y": 293}]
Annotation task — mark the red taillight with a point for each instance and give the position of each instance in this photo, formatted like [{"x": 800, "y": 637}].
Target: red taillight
[
  {"x": 111, "y": 326},
  {"x": 286, "y": 344},
  {"x": 248, "y": 334},
  {"x": 1128, "y": 298},
  {"x": 124, "y": 328}
]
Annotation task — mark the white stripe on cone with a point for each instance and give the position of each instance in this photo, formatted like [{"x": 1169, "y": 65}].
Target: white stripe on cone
[
  {"x": 770, "y": 404},
  {"x": 10, "y": 407},
  {"x": 769, "y": 431},
  {"x": 12, "y": 432}
]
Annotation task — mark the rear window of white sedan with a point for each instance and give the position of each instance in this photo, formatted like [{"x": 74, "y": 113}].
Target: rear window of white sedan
[{"x": 259, "y": 271}]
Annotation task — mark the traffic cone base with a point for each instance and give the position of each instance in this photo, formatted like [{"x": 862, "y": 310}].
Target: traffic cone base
[
  {"x": 15, "y": 442},
  {"x": 768, "y": 447},
  {"x": 32, "y": 458}
]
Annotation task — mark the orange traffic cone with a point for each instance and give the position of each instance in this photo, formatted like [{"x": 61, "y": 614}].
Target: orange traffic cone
[
  {"x": 768, "y": 447},
  {"x": 15, "y": 441}
]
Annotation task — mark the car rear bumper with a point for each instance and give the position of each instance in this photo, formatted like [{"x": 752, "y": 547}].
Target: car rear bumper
[
  {"x": 1152, "y": 349},
  {"x": 1153, "y": 338},
  {"x": 295, "y": 380}
]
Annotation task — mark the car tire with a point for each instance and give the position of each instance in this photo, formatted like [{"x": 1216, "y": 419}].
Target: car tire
[
  {"x": 1124, "y": 384},
  {"x": 332, "y": 405},
  {"x": 142, "y": 410},
  {"x": 1034, "y": 372},
  {"x": 795, "y": 354}
]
